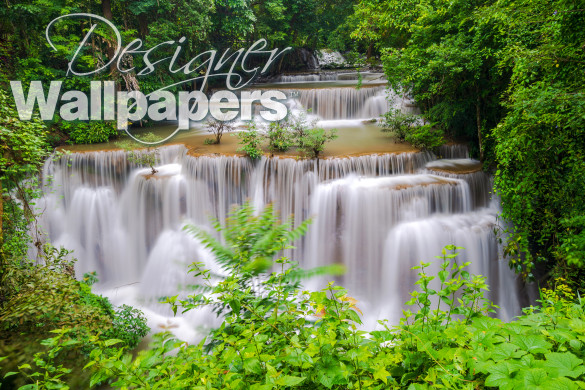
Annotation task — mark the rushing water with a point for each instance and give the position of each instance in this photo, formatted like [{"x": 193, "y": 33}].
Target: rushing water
[{"x": 377, "y": 214}]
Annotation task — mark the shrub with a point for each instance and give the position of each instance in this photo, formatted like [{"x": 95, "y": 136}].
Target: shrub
[
  {"x": 251, "y": 140},
  {"x": 425, "y": 137},
  {"x": 41, "y": 299},
  {"x": 313, "y": 142},
  {"x": 148, "y": 157},
  {"x": 308, "y": 139},
  {"x": 404, "y": 127},
  {"x": 89, "y": 132},
  {"x": 398, "y": 123},
  {"x": 279, "y": 137},
  {"x": 285, "y": 337}
]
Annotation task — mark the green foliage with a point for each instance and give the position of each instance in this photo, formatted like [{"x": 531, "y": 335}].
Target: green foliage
[
  {"x": 398, "y": 123},
  {"x": 251, "y": 140},
  {"x": 404, "y": 127},
  {"x": 148, "y": 157},
  {"x": 425, "y": 137},
  {"x": 307, "y": 138},
  {"x": 89, "y": 132},
  {"x": 314, "y": 139},
  {"x": 23, "y": 143},
  {"x": 275, "y": 335},
  {"x": 509, "y": 77},
  {"x": 49, "y": 372},
  {"x": 40, "y": 299},
  {"x": 540, "y": 174},
  {"x": 572, "y": 247},
  {"x": 279, "y": 137}
]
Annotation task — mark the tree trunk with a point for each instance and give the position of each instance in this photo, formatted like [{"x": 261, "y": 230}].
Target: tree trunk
[
  {"x": 143, "y": 25},
  {"x": 2, "y": 255},
  {"x": 478, "y": 120},
  {"x": 107, "y": 11},
  {"x": 370, "y": 49}
]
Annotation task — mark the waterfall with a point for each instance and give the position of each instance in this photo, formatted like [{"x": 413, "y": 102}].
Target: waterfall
[
  {"x": 304, "y": 78},
  {"x": 454, "y": 151},
  {"x": 377, "y": 214},
  {"x": 300, "y": 78},
  {"x": 343, "y": 102}
]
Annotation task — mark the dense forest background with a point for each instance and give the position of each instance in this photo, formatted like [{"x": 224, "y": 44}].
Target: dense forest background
[{"x": 506, "y": 76}]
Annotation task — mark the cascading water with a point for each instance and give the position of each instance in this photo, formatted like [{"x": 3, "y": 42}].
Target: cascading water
[
  {"x": 300, "y": 78},
  {"x": 343, "y": 103},
  {"x": 377, "y": 214}
]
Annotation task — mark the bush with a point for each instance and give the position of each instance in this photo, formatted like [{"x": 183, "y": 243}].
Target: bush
[
  {"x": 286, "y": 337},
  {"x": 279, "y": 137},
  {"x": 425, "y": 137},
  {"x": 41, "y": 299},
  {"x": 251, "y": 140},
  {"x": 313, "y": 141},
  {"x": 89, "y": 132},
  {"x": 405, "y": 128},
  {"x": 398, "y": 123},
  {"x": 308, "y": 139}
]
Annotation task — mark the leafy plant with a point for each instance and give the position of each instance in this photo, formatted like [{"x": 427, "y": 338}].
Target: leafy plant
[
  {"x": 425, "y": 137},
  {"x": 398, "y": 123},
  {"x": 314, "y": 139},
  {"x": 147, "y": 157},
  {"x": 275, "y": 334},
  {"x": 89, "y": 132},
  {"x": 41, "y": 299},
  {"x": 279, "y": 137},
  {"x": 251, "y": 140}
]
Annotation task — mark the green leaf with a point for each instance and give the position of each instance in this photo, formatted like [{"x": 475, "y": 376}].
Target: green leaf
[
  {"x": 235, "y": 305},
  {"x": 564, "y": 364},
  {"x": 533, "y": 378},
  {"x": 505, "y": 351},
  {"x": 253, "y": 365},
  {"x": 382, "y": 374},
  {"x": 501, "y": 374},
  {"x": 288, "y": 380},
  {"x": 109, "y": 343},
  {"x": 532, "y": 343}
]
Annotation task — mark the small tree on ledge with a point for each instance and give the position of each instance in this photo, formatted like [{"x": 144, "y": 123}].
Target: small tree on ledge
[{"x": 218, "y": 128}]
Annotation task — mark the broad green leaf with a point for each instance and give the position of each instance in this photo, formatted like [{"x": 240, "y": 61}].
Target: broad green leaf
[
  {"x": 532, "y": 343},
  {"x": 564, "y": 364}
]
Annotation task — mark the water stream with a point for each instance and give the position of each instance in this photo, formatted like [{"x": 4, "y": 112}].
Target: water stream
[{"x": 378, "y": 214}]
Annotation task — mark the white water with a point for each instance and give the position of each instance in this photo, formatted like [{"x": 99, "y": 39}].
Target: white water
[{"x": 379, "y": 215}]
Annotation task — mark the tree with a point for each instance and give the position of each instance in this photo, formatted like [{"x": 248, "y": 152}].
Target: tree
[
  {"x": 217, "y": 128},
  {"x": 313, "y": 141},
  {"x": 23, "y": 149}
]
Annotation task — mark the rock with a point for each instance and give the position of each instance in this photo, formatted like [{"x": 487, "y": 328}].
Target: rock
[{"x": 330, "y": 59}]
